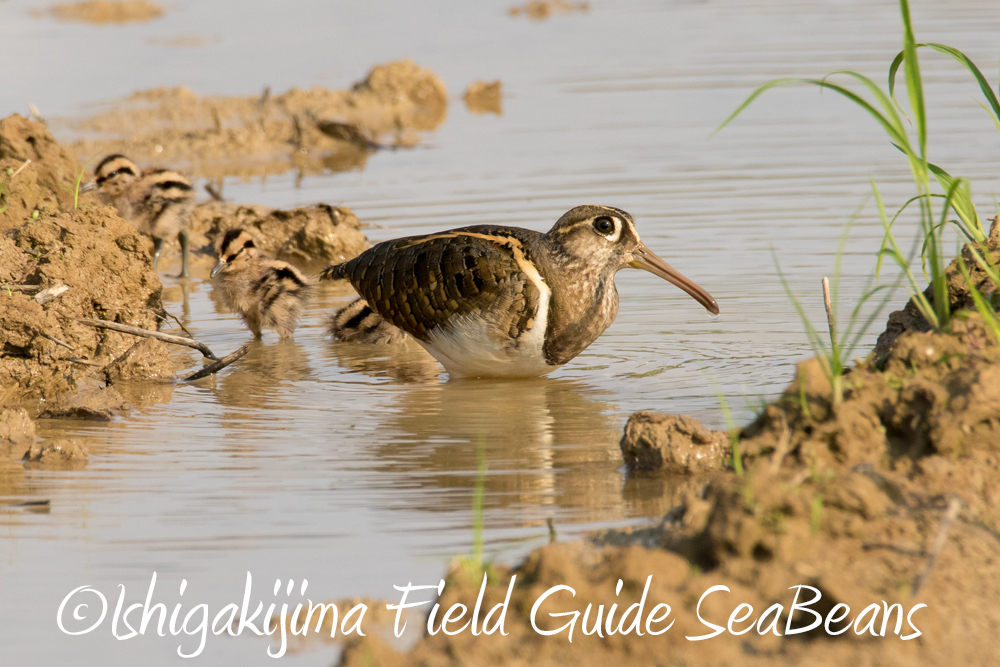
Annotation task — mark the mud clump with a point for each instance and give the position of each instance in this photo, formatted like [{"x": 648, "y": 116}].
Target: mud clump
[
  {"x": 959, "y": 295},
  {"x": 310, "y": 237},
  {"x": 655, "y": 443},
  {"x": 61, "y": 453},
  {"x": 20, "y": 446},
  {"x": 482, "y": 97},
  {"x": 98, "y": 262},
  {"x": 94, "y": 404},
  {"x": 254, "y": 136},
  {"x": 106, "y": 11},
  {"x": 539, "y": 10},
  {"x": 17, "y": 434},
  {"x": 43, "y": 181}
]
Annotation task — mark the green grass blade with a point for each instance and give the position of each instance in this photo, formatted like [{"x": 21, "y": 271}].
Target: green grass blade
[
  {"x": 961, "y": 201},
  {"x": 996, "y": 121},
  {"x": 891, "y": 113},
  {"x": 886, "y": 123},
  {"x": 984, "y": 85},
  {"x": 815, "y": 340},
  {"x": 914, "y": 82}
]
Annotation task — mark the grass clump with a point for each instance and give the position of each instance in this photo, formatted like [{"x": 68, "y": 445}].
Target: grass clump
[{"x": 885, "y": 109}]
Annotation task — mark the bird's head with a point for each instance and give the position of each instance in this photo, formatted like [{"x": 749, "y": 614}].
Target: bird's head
[
  {"x": 112, "y": 176},
  {"x": 235, "y": 250},
  {"x": 602, "y": 238}
]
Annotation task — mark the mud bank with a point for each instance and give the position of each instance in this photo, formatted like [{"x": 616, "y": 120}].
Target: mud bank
[
  {"x": 266, "y": 134},
  {"x": 311, "y": 237},
  {"x": 58, "y": 264},
  {"x": 890, "y": 497}
]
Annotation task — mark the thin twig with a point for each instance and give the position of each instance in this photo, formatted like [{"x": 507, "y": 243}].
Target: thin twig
[
  {"x": 47, "y": 295},
  {"x": 136, "y": 331},
  {"x": 213, "y": 192},
  {"x": 121, "y": 358},
  {"x": 829, "y": 313},
  {"x": 954, "y": 505},
  {"x": 782, "y": 449},
  {"x": 56, "y": 341},
  {"x": 21, "y": 288},
  {"x": 179, "y": 323},
  {"x": 20, "y": 169},
  {"x": 218, "y": 365}
]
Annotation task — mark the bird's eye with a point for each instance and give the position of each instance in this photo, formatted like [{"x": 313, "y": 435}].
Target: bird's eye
[{"x": 604, "y": 225}]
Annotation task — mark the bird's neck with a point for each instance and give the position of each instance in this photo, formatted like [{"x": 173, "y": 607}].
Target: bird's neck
[{"x": 584, "y": 303}]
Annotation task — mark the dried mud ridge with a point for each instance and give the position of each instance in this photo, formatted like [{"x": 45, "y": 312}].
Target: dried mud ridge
[
  {"x": 893, "y": 496},
  {"x": 312, "y": 131}
]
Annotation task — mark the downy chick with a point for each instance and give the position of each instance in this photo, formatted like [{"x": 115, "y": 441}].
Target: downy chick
[
  {"x": 265, "y": 292},
  {"x": 158, "y": 202},
  {"x": 358, "y": 323}
]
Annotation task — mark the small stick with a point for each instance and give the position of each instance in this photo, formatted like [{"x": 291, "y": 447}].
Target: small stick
[
  {"x": 136, "y": 331},
  {"x": 829, "y": 313},
  {"x": 213, "y": 192},
  {"x": 218, "y": 365},
  {"x": 954, "y": 505},
  {"x": 782, "y": 449},
  {"x": 21, "y": 288},
  {"x": 121, "y": 358},
  {"x": 47, "y": 295},
  {"x": 56, "y": 341},
  {"x": 179, "y": 323},
  {"x": 20, "y": 169}
]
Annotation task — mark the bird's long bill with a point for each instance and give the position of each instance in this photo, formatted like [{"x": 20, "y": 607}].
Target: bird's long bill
[
  {"x": 221, "y": 264},
  {"x": 89, "y": 186},
  {"x": 646, "y": 259}
]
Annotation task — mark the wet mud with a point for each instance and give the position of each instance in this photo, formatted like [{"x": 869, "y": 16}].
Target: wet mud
[
  {"x": 484, "y": 97},
  {"x": 58, "y": 264},
  {"x": 539, "y": 10},
  {"x": 265, "y": 134},
  {"x": 105, "y": 11},
  {"x": 311, "y": 237}
]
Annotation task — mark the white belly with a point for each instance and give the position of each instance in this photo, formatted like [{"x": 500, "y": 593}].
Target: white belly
[{"x": 470, "y": 347}]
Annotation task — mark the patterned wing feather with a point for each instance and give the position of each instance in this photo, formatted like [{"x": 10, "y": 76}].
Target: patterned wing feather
[{"x": 420, "y": 283}]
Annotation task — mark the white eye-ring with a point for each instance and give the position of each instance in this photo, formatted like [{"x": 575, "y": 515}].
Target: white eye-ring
[{"x": 607, "y": 226}]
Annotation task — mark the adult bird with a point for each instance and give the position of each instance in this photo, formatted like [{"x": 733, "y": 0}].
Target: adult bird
[{"x": 494, "y": 301}]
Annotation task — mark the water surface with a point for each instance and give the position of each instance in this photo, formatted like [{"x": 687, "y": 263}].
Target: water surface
[{"x": 355, "y": 467}]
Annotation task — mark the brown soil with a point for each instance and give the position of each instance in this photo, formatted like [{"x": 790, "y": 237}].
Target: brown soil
[
  {"x": 892, "y": 496},
  {"x": 673, "y": 445},
  {"x": 539, "y": 10},
  {"x": 105, "y": 11},
  {"x": 482, "y": 97},
  {"x": 910, "y": 319},
  {"x": 310, "y": 237},
  {"x": 264, "y": 134},
  {"x": 100, "y": 258},
  {"x": 20, "y": 448}
]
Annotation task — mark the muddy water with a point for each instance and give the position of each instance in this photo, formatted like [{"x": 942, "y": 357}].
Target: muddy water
[{"x": 356, "y": 468}]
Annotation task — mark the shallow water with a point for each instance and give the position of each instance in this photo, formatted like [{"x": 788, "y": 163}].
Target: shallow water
[{"x": 355, "y": 468}]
